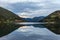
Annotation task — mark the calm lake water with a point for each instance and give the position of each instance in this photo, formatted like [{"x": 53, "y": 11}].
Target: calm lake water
[{"x": 31, "y": 32}]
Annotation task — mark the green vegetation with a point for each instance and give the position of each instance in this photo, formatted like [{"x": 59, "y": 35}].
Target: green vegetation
[
  {"x": 6, "y": 28},
  {"x": 53, "y": 17},
  {"x": 6, "y": 16},
  {"x": 53, "y": 22},
  {"x": 53, "y": 27},
  {"x": 7, "y": 21}
]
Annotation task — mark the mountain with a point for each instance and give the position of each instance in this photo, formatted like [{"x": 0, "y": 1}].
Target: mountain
[
  {"x": 35, "y": 19},
  {"x": 6, "y": 15},
  {"x": 7, "y": 21},
  {"x": 53, "y": 17},
  {"x": 28, "y": 19},
  {"x": 53, "y": 22}
]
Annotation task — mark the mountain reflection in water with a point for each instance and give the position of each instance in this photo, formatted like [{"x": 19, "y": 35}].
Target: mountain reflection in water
[
  {"x": 32, "y": 32},
  {"x": 53, "y": 27}
]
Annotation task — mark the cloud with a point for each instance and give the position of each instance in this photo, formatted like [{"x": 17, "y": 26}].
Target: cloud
[
  {"x": 24, "y": 7},
  {"x": 12, "y": 1},
  {"x": 31, "y": 7},
  {"x": 16, "y": 1},
  {"x": 32, "y": 14},
  {"x": 56, "y": 1}
]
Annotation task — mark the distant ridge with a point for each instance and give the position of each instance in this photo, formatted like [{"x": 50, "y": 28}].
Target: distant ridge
[{"x": 35, "y": 19}]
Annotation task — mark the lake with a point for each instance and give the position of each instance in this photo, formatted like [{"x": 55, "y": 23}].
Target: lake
[{"x": 31, "y": 31}]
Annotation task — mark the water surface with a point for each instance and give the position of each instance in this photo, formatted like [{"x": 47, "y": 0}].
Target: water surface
[{"x": 32, "y": 32}]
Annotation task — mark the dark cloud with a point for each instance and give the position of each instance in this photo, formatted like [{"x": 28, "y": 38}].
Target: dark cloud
[
  {"x": 46, "y": 7},
  {"x": 21, "y": 7},
  {"x": 27, "y": 6}
]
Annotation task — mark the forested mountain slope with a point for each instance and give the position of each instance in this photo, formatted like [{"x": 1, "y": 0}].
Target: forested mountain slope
[{"x": 53, "y": 22}]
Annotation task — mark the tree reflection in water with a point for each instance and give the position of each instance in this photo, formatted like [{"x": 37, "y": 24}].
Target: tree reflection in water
[
  {"x": 6, "y": 28},
  {"x": 53, "y": 27}
]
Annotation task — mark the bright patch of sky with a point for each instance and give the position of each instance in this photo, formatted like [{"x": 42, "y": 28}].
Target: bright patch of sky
[{"x": 31, "y": 8}]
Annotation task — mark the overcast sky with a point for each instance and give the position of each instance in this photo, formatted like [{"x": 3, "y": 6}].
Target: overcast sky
[{"x": 31, "y": 8}]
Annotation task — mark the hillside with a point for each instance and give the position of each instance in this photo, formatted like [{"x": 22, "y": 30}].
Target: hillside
[
  {"x": 55, "y": 19},
  {"x": 6, "y": 15},
  {"x": 7, "y": 21}
]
